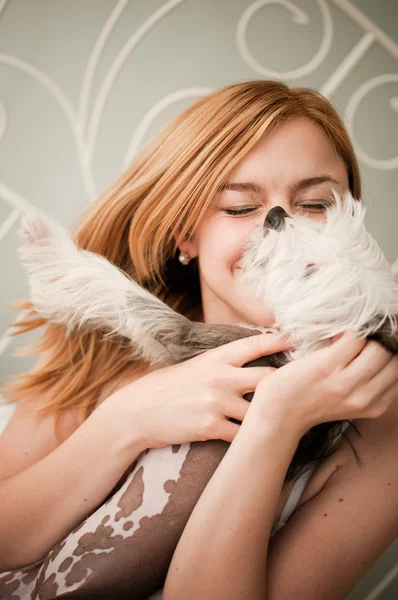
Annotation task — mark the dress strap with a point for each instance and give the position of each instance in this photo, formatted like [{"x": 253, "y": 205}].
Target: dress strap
[
  {"x": 297, "y": 490},
  {"x": 294, "y": 496}
]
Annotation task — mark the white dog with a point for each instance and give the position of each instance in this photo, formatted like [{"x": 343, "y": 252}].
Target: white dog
[
  {"x": 318, "y": 278},
  {"x": 322, "y": 278}
]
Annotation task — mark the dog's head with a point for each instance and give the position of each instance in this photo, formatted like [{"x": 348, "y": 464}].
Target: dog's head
[{"x": 320, "y": 278}]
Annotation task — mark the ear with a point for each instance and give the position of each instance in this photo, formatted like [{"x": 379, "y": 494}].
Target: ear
[{"x": 189, "y": 245}]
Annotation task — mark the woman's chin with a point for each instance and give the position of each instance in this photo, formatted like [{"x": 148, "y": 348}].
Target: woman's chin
[
  {"x": 251, "y": 308},
  {"x": 261, "y": 318}
]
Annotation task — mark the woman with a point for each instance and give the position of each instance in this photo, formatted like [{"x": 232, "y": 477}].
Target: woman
[{"x": 200, "y": 187}]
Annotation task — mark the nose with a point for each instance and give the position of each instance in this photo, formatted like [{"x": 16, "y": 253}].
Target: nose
[{"x": 275, "y": 218}]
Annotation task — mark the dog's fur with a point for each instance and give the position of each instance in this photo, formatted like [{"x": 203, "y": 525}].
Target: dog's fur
[
  {"x": 322, "y": 278},
  {"x": 319, "y": 279}
]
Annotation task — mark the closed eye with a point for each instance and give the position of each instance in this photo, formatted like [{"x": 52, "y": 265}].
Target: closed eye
[
  {"x": 312, "y": 207},
  {"x": 239, "y": 211},
  {"x": 316, "y": 206}
]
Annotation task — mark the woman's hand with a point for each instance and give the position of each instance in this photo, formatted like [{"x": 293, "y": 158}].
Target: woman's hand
[
  {"x": 351, "y": 379},
  {"x": 192, "y": 401}
]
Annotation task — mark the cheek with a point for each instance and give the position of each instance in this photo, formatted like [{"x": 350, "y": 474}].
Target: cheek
[{"x": 222, "y": 244}]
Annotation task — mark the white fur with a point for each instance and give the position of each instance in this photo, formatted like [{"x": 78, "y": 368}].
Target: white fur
[
  {"x": 78, "y": 288},
  {"x": 351, "y": 281}
]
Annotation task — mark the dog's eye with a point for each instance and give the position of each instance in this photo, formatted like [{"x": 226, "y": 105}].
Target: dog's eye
[{"x": 310, "y": 269}]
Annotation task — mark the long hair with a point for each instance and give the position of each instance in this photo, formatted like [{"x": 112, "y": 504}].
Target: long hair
[{"x": 140, "y": 220}]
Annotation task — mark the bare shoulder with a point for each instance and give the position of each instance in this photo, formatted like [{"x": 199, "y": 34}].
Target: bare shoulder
[
  {"x": 377, "y": 437},
  {"x": 377, "y": 450},
  {"x": 29, "y": 437},
  {"x": 351, "y": 507}
]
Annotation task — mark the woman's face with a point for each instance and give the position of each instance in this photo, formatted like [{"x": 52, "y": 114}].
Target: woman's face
[{"x": 279, "y": 171}]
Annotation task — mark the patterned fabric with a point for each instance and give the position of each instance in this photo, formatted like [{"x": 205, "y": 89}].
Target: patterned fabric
[{"x": 124, "y": 548}]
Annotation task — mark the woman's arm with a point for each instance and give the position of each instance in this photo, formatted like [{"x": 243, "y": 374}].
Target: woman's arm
[
  {"x": 223, "y": 550},
  {"x": 46, "y": 489},
  {"x": 332, "y": 541},
  {"x": 44, "y": 501},
  {"x": 326, "y": 547}
]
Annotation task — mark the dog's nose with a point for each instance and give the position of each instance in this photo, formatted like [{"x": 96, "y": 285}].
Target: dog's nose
[{"x": 275, "y": 218}]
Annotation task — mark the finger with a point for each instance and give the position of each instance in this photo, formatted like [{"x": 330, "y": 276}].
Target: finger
[
  {"x": 344, "y": 349},
  {"x": 370, "y": 362},
  {"x": 235, "y": 408},
  {"x": 384, "y": 379},
  {"x": 248, "y": 379},
  {"x": 239, "y": 352},
  {"x": 227, "y": 430}
]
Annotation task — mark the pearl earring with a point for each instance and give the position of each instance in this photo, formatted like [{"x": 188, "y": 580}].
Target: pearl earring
[{"x": 183, "y": 258}]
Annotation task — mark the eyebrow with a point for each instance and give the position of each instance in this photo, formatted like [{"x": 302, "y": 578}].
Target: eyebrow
[{"x": 249, "y": 186}]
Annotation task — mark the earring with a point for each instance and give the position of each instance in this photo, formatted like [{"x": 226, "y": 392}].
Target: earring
[{"x": 183, "y": 258}]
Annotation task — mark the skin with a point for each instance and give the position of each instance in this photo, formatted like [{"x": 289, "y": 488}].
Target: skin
[
  {"x": 240, "y": 561},
  {"x": 198, "y": 396},
  {"x": 297, "y": 150}
]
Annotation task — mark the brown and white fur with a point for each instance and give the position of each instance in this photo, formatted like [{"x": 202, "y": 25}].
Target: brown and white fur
[{"x": 319, "y": 279}]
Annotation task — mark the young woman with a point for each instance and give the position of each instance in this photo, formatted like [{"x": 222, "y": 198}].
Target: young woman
[{"x": 176, "y": 221}]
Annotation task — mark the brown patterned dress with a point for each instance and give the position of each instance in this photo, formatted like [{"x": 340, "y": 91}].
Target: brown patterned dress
[{"x": 124, "y": 548}]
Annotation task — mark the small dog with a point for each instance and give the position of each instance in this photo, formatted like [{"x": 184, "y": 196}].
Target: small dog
[{"x": 318, "y": 278}]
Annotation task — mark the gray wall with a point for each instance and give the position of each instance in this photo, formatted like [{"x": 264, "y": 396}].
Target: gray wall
[{"x": 84, "y": 83}]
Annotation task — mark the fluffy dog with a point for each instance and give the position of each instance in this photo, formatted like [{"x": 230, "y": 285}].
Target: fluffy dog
[{"x": 319, "y": 278}]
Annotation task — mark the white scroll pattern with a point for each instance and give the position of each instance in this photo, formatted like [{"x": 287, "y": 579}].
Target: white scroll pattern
[
  {"x": 372, "y": 34},
  {"x": 85, "y": 125},
  {"x": 300, "y": 18},
  {"x": 85, "y": 122}
]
